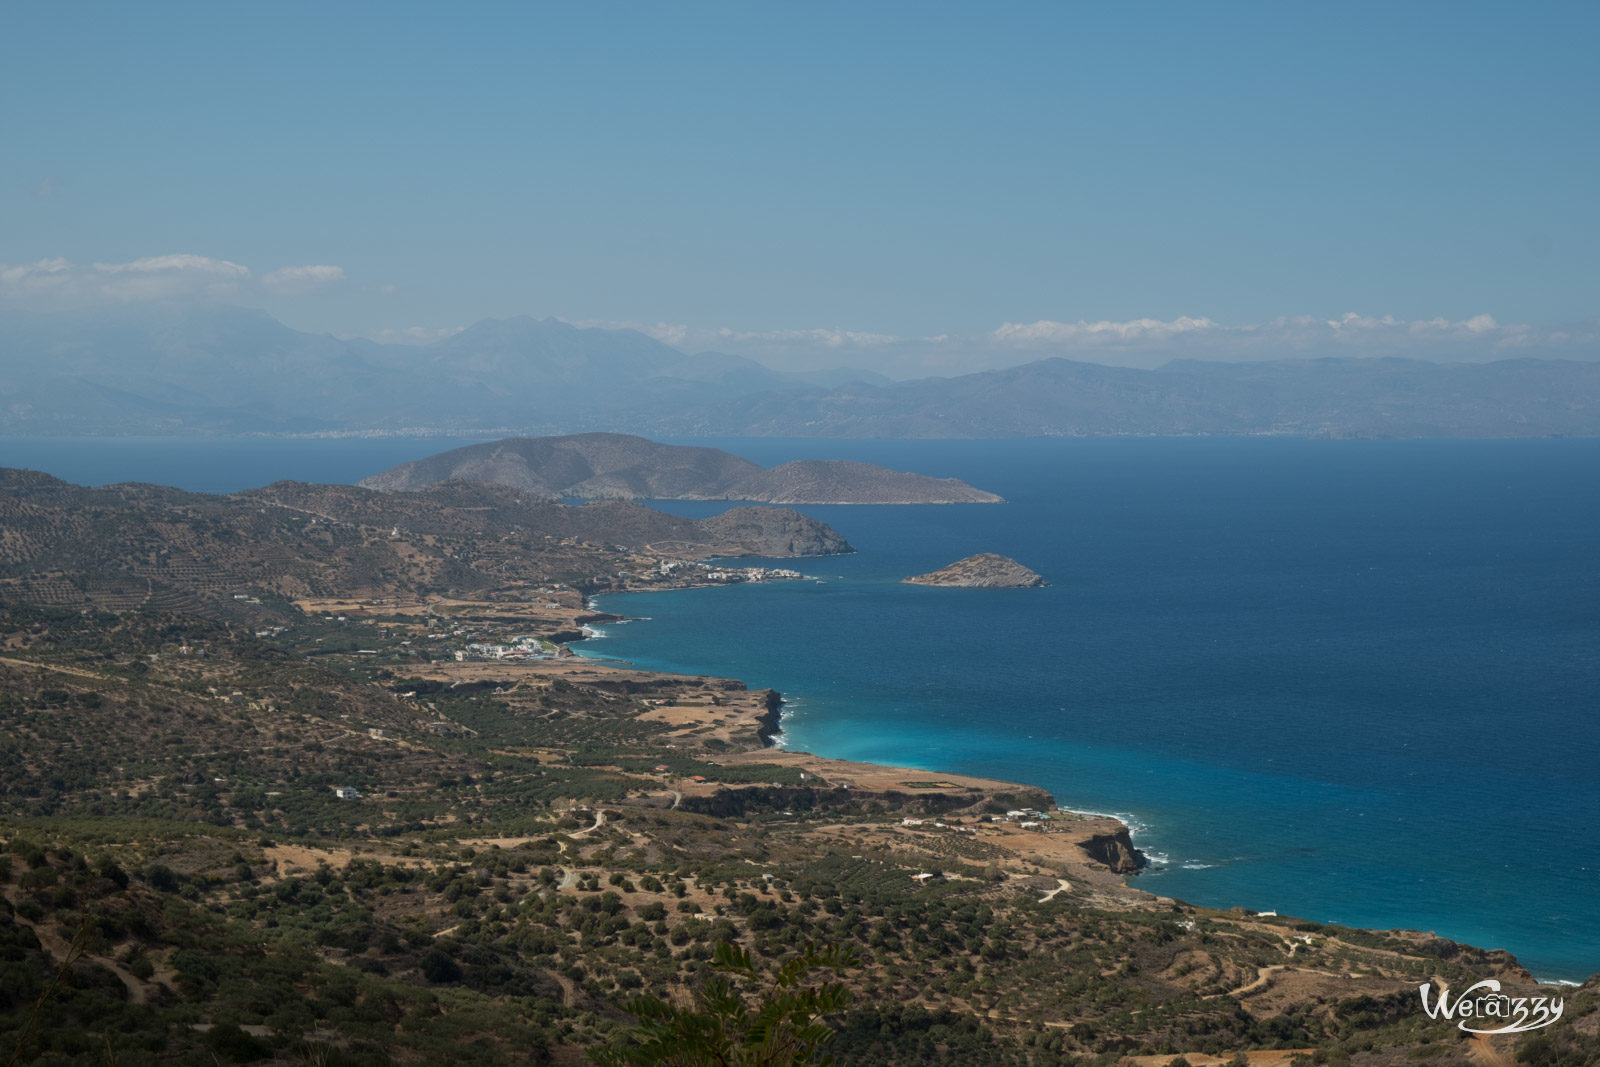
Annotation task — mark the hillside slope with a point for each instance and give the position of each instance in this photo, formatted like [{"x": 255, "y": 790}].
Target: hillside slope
[{"x": 150, "y": 547}]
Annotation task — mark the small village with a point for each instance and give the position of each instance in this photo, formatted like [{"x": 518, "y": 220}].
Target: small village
[{"x": 704, "y": 572}]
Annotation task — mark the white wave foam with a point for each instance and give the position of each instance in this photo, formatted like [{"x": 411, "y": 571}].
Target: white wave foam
[
  {"x": 1192, "y": 866},
  {"x": 1135, "y": 825}
]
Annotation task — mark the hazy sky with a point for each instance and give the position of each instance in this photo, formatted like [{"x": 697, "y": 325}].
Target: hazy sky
[{"x": 916, "y": 182}]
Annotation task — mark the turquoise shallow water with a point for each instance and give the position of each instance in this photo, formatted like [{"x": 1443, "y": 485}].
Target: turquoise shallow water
[
  {"x": 1353, "y": 681},
  {"x": 1350, "y": 681}
]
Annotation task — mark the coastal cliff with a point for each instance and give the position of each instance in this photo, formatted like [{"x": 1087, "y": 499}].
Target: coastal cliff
[
  {"x": 986, "y": 570},
  {"x": 769, "y": 724},
  {"x": 1115, "y": 850}
]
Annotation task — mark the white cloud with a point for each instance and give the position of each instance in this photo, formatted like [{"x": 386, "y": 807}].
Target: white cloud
[
  {"x": 178, "y": 264},
  {"x": 704, "y": 339},
  {"x": 1142, "y": 342},
  {"x": 1284, "y": 337},
  {"x": 52, "y": 282},
  {"x": 294, "y": 281},
  {"x": 160, "y": 277},
  {"x": 414, "y": 335},
  {"x": 1135, "y": 331},
  {"x": 44, "y": 274}
]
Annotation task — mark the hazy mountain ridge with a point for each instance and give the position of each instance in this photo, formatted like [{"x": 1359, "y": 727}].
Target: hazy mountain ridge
[
  {"x": 1322, "y": 397},
  {"x": 212, "y": 370},
  {"x": 605, "y": 466}
]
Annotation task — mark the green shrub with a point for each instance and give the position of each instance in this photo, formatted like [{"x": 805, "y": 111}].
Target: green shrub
[{"x": 439, "y": 967}]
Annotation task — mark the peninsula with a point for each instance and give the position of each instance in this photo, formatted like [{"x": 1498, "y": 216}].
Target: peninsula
[
  {"x": 612, "y": 466},
  {"x": 986, "y": 570}
]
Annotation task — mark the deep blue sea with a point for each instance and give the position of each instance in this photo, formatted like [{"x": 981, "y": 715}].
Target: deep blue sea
[{"x": 1352, "y": 681}]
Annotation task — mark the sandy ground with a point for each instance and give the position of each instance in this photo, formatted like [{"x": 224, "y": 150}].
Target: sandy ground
[
  {"x": 874, "y": 777},
  {"x": 558, "y": 611},
  {"x": 298, "y": 859}
]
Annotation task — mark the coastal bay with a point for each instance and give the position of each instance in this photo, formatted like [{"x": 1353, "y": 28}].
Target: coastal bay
[{"x": 1281, "y": 662}]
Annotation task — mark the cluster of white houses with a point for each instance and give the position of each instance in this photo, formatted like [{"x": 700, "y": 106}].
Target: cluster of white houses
[
  {"x": 911, "y": 820},
  {"x": 683, "y": 568},
  {"x": 1027, "y": 818},
  {"x": 520, "y": 648}
]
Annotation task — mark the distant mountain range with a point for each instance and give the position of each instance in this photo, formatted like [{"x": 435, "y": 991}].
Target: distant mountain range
[
  {"x": 211, "y": 370},
  {"x": 609, "y": 466}
]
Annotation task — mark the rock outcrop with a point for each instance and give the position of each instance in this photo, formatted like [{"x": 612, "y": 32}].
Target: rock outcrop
[
  {"x": 1115, "y": 850},
  {"x": 983, "y": 571}
]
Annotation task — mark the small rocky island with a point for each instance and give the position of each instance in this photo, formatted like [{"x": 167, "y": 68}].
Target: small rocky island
[{"x": 986, "y": 570}]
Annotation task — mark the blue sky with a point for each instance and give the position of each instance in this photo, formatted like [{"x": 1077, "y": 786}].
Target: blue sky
[{"x": 833, "y": 175}]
